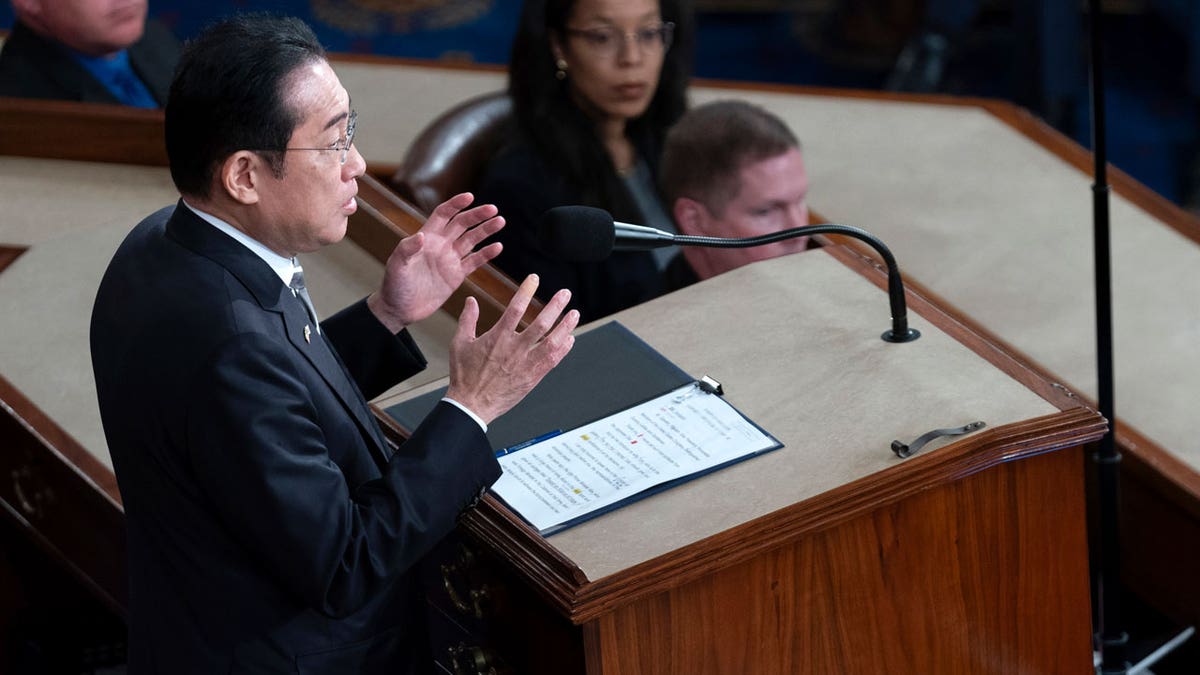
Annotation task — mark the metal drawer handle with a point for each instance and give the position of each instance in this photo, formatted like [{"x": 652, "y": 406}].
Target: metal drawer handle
[
  {"x": 470, "y": 601},
  {"x": 28, "y": 506},
  {"x": 476, "y": 661},
  {"x": 908, "y": 450}
]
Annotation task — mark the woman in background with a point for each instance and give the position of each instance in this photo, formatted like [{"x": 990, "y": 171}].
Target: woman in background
[{"x": 595, "y": 84}]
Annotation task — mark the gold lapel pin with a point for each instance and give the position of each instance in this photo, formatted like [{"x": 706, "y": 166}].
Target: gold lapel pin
[{"x": 307, "y": 334}]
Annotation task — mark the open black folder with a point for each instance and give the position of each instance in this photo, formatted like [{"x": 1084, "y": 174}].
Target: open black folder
[{"x": 609, "y": 370}]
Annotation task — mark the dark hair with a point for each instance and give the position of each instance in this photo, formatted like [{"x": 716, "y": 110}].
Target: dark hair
[
  {"x": 562, "y": 133},
  {"x": 230, "y": 94},
  {"x": 709, "y": 145}
]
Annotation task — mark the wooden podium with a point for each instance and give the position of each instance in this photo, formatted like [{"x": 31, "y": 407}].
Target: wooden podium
[{"x": 831, "y": 554}]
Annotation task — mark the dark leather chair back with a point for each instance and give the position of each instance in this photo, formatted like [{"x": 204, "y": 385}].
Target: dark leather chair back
[{"x": 449, "y": 155}]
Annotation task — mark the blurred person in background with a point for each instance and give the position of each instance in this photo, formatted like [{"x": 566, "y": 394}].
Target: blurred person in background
[
  {"x": 595, "y": 84},
  {"x": 731, "y": 169},
  {"x": 93, "y": 51}
]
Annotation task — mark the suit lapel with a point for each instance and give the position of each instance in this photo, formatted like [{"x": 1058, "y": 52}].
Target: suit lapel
[
  {"x": 368, "y": 418},
  {"x": 272, "y": 296},
  {"x": 319, "y": 353}
]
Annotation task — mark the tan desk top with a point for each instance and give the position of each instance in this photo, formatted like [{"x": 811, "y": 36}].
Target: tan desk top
[
  {"x": 804, "y": 359},
  {"x": 1002, "y": 229},
  {"x": 45, "y": 198},
  {"x": 795, "y": 342}
]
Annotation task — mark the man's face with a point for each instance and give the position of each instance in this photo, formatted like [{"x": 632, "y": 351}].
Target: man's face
[
  {"x": 306, "y": 209},
  {"x": 772, "y": 197},
  {"x": 92, "y": 27}
]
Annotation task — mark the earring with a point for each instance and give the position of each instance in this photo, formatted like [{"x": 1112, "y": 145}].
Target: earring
[{"x": 561, "y": 65}]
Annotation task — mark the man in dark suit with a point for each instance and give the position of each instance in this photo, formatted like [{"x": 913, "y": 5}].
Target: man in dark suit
[
  {"x": 94, "y": 51},
  {"x": 270, "y": 527}
]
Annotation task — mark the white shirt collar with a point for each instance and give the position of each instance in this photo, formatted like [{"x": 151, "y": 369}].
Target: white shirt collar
[{"x": 284, "y": 267}]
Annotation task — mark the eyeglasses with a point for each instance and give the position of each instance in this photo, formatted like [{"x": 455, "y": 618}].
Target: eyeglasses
[
  {"x": 608, "y": 41},
  {"x": 342, "y": 144}
]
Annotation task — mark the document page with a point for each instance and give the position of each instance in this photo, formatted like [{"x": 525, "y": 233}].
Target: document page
[{"x": 559, "y": 481}]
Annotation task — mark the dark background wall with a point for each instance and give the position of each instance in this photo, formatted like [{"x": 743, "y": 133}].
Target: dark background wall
[{"x": 995, "y": 51}]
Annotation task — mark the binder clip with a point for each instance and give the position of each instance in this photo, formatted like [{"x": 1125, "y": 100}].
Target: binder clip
[{"x": 710, "y": 386}]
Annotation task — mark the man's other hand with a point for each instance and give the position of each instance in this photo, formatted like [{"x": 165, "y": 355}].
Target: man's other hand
[
  {"x": 491, "y": 373},
  {"x": 427, "y": 267}
]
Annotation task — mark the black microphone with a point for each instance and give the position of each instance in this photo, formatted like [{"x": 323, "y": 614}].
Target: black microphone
[{"x": 587, "y": 234}]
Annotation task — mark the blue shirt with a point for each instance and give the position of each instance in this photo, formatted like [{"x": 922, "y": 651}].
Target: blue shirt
[{"x": 116, "y": 74}]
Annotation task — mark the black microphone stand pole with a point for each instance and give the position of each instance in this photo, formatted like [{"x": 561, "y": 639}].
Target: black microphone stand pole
[{"x": 1111, "y": 634}]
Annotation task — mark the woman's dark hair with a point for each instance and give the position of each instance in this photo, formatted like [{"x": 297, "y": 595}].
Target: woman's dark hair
[
  {"x": 562, "y": 133},
  {"x": 229, "y": 94}
]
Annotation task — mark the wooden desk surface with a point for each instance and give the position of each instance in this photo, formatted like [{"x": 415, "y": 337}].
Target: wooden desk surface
[
  {"x": 45, "y": 199},
  {"x": 801, "y": 355},
  {"x": 1001, "y": 228},
  {"x": 803, "y": 359}
]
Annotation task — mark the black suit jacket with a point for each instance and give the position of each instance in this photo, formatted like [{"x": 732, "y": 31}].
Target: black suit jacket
[
  {"x": 520, "y": 183},
  {"x": 33, "y": 67},
  {"x": 270, "y": 529}
]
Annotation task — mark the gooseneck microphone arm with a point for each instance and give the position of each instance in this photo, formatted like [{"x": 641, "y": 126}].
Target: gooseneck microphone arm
[
  {"x": 587, "y": 234},
  {"x": 900, "y": 331}
]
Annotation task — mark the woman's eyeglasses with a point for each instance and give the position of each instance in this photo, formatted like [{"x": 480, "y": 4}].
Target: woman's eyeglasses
[{"x": 608, "y": 41}]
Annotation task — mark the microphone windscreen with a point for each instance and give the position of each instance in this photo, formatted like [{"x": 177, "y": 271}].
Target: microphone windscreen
[{"x": 577, "y": 233}]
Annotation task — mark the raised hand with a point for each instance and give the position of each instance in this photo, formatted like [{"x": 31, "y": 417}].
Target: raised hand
[
  {"x": 424, "y": 269},
  {"x": 491, "y": 373}
]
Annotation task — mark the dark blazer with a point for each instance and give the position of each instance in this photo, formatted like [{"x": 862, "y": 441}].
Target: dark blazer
[
  {"x": 519, "y": 182},
  {"x": 33, "y": 67},
  {"x": 270, "y": 528},
  {"x": 679, "y": 273}
]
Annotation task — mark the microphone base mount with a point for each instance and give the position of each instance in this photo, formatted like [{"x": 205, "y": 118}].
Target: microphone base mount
[{"x": 907, "y": 336}]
